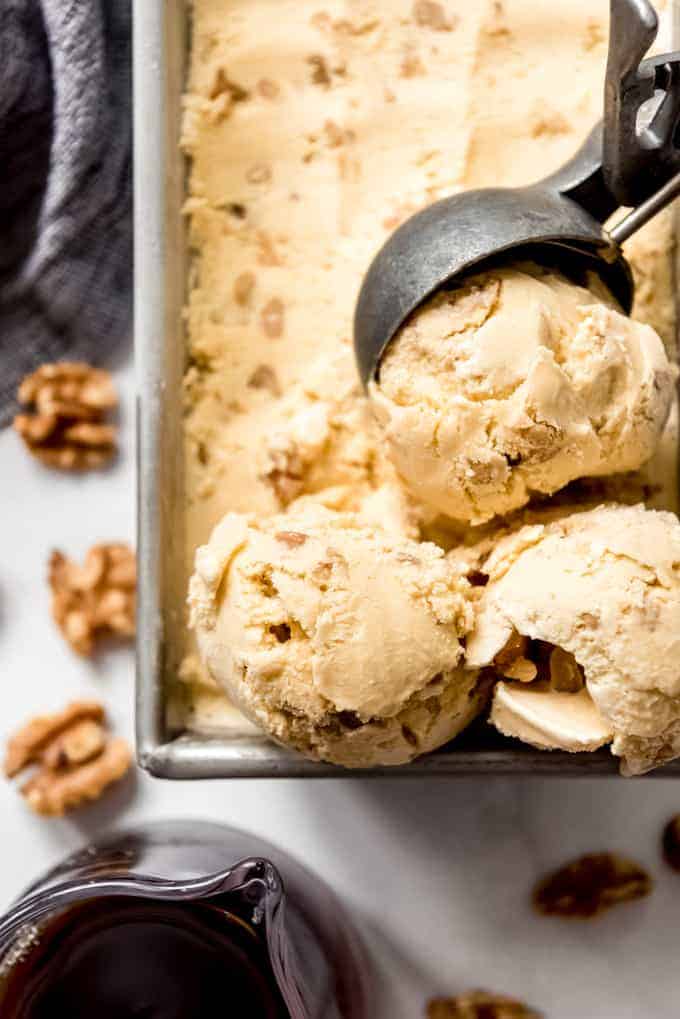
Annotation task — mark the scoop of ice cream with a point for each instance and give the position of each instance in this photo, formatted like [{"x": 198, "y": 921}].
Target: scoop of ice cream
[
  {"x": 323, "y": 434},
  {"x": 587, "y": 605},
  {"x": 518, "y": 381},
  {"x": 337, "y": 638}
]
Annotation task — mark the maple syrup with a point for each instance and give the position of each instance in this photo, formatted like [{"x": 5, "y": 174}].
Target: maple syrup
[{"x": 134, "y": 958}]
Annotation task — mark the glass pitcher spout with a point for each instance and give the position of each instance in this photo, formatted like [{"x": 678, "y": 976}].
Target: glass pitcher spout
[{"x": 246, "y": 896}]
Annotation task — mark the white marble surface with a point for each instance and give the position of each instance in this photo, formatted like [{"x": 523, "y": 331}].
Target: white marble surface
[{"x": 437, "y": 874}]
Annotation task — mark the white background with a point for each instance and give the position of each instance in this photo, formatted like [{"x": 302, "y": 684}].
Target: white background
[{"x": 437, "y": 873}]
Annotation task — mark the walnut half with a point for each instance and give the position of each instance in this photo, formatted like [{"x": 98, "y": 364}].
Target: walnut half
[
  {"x": 590, "y": 885},
  {"x": 75, "y": 758},
  {"x": 96, "y": 598},
  {"x": 479, "y": 1005},
  {"x": 66, "y": 427}
]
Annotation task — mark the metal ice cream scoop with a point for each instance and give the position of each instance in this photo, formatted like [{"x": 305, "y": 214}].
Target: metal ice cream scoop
[{"x": 631, "y": 159}]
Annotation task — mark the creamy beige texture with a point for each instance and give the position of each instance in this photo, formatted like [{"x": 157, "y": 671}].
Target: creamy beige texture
[
  {"x": 603, "y": 585},
  {"x": 336, "y": 637},
  {"x": 313, "y": 129},
  {"x": 548, "y": 719},
  {"x": 515, "y": 383}
]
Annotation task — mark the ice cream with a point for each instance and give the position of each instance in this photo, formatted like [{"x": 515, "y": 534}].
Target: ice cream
[
  {"x": 322, "y": 435},
  {"x": 387, "y": 506},
  {"x": 292, "y": 190},
  {"x": 335, "y": 637},
  {"x": 549, "y": 719},
  {"x": 514, "y": 383},
  {"x": 583, "y": 617},
  {"x": 307, "y": 145}
]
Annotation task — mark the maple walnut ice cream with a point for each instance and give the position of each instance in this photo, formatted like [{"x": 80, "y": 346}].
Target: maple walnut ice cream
[
  {"x": 335, "y": 637},
  {"x": 517, "y": 382},
  {"x": 588, "y": 608},
  {"x": 293, "y": 139}
]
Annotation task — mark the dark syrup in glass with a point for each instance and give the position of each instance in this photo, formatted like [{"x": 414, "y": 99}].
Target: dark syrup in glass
[{"x": 134, "y": 958}]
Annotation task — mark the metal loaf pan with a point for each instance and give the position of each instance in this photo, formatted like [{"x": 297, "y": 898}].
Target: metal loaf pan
[{"x": 160, "y": 53}]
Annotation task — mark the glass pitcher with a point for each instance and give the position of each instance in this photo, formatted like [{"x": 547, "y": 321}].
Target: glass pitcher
[{"x": 172, "y": 919}]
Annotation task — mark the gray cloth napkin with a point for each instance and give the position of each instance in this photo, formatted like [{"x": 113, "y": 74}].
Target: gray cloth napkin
[{"x": 65, "y": 184}]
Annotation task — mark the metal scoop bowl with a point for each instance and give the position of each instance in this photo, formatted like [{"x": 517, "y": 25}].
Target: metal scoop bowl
[{"x": 630, "y": 159}]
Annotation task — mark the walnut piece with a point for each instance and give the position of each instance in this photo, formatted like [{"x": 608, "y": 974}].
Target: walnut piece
[
  {"x": 222, "y": 84},
  {"x": 525, "y": 660},
  {"x": 284, "y": 471},
  {"x": 77, "y": 745},
  {"x": 590, "y": 885},
  {"x": 497, "y": 27},
  {"x": 272, "y": 318},
  {"x": 75, "y": 758},
  {"x": 595, "y": 35},
  {"x": 428, "y": 14},
  {"x": 671, "y": 843},
  {"x": 320, "y": 73},
  {"x": 479, "y": 1005},
  {"x": 412, "y": 66},
  {"x": 29, "y": 743},
  {"x": 244, "y": 284},
  {"x": 264, "y": 377},
  {"x": 566, "y": 674},
  {"x": 291, "y": 538},
  {"x": 512, "y": 662},
  {"x": 66, "y": 429},
  {"x": 97, "y": 598},
  {"x": 545, "y": 120}
]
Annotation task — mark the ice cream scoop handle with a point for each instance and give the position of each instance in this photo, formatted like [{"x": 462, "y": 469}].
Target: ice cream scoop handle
[
  {"x": 628, "y": 158},
  {"x": 646, "y": 211},
  {"x": 582, "y": 179}
]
